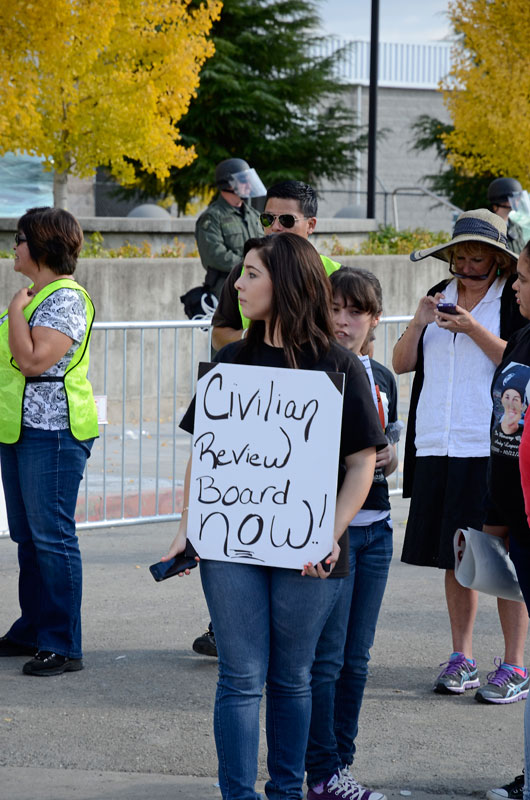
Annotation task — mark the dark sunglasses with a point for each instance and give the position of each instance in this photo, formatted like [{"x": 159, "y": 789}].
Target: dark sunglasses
[
  {"x": 286, "y": 220},
  {"x": 19, "y": 239}
]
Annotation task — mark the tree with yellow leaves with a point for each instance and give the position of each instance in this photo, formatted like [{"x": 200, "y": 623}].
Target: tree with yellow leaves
[
  {"x": 487, "y": 91},
  {"x": 88, "y": 83}
]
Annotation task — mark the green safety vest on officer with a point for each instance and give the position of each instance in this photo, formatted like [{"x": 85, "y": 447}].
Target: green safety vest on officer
[
  {"x": 82, "y": 412},
  {"x": 329, "y": 265}
]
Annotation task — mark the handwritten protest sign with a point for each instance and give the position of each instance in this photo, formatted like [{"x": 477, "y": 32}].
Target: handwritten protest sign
[{"x": 264, "y": 464}]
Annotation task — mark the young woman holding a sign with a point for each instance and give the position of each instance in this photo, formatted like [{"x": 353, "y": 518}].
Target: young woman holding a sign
[{"x": 267, "y": 620}]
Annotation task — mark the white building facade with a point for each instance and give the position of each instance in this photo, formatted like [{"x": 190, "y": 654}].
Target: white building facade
[{"x": 408, "y": 86}]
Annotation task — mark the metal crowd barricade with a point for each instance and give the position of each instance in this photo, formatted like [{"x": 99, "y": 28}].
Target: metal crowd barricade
[{"x": 147, "y": 372}]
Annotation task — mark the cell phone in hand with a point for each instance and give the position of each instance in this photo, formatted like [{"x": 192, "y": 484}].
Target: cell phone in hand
[
  {"x": 166, "y": 569},
  {"x": 447, "y": 308}
]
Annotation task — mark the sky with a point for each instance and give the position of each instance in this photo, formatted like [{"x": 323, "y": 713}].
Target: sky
[{"x": 399, "y": 20}]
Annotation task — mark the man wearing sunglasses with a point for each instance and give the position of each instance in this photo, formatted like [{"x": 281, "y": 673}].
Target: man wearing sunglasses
[
  {"x": 291, "y": 206},
  {"x": 223, "y": 228}
]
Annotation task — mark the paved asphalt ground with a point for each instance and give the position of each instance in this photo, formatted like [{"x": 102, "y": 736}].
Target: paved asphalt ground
[{"x": 137, "y": 722}]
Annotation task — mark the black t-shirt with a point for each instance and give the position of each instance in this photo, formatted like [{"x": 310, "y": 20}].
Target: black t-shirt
[
  {"x": 227, "y": 314},
  {"x": 378, "y": 499},
  {"x": 361, "y": 427},
  {"x": 509, "y": 390}
]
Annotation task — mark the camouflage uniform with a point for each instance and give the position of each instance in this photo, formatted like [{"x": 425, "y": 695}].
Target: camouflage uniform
[
  {"x": 221, "y": 231},
  {"x": 515, "y": 237}
]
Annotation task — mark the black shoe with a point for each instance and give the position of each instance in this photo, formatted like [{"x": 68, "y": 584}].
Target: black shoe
[
  {"x": 511, "y": 791},
  {"x": 10, "y": 648},
  {"x": 48, "y": 663},
  {"x": 205, "y": 645}
]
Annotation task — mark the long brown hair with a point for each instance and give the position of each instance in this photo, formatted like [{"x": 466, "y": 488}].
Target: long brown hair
[{"x": 301, "y": 298}]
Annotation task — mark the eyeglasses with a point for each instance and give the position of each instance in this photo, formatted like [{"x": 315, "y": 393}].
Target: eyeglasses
[
  {"x": 463, "y": 276},
  {"x": 19, "y": 239},
  {"x": 286, "y": 220}
]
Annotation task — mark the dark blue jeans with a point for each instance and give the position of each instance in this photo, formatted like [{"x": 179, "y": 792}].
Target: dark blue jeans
[
  {"x": 41, "y": 476},
  {"x": 267, "y": 622},
  {"x": 341, "y": 663}
]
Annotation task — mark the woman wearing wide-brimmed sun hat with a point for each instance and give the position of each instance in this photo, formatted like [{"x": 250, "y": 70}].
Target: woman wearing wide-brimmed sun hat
[{"x": 454, "y": 354}]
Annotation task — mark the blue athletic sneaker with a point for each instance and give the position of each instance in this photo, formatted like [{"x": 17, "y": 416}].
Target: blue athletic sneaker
[
  {"x": 457, "y": 676},
  {"x": 504, "y": 685}
]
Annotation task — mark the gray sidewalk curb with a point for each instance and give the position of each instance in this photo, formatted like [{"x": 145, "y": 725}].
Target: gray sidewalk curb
[
  {"x": 141, "y": 710},
  {"x": 30, "y": 783}
]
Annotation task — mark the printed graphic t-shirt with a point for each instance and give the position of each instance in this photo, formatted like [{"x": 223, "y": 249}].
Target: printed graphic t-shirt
[
  {"x": 378, "y": 498},
  {"x": 510, "y": 391},
  {"x": 45, "y": 405}
]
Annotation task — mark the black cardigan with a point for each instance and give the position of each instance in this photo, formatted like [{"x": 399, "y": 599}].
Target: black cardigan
[{"x": 511, "y": 321}]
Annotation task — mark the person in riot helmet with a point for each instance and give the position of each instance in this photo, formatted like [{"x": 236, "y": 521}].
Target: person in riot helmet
[
  {"x": 223, "y": 228},
  {"x": 502, "y": 198}
]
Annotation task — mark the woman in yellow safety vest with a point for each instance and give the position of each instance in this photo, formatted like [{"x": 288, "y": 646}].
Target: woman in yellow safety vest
[{"x": 48, "y": 422}]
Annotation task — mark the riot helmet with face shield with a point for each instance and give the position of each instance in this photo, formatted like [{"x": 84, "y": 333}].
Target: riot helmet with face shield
[{"x": 234, "y": 175}]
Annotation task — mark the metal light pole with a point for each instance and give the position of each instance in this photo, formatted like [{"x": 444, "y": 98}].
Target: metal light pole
[{"x": 372, "y": 112}]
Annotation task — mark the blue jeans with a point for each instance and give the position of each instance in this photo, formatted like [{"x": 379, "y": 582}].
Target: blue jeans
[
  {"x": 267, "y": 622},
  {"x": 341, "y": 663},
  {"x": 41, "y": 476}
]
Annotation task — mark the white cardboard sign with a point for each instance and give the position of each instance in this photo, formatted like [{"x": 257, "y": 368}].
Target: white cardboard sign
[{"x": 264, "y": 464}]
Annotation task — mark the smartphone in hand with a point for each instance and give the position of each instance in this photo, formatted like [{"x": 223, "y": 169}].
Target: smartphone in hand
[
  {"x": 447, "y": 308},
  {"x": 166, "y": 569}
]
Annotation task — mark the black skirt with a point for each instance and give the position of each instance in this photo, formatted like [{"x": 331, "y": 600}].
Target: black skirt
[{"x": 447, "y": 493}]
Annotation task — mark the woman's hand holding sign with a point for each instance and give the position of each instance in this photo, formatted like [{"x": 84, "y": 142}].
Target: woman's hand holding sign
[
  {"x": 323, "y": 569},
  {"x": 359, "y": 476}
]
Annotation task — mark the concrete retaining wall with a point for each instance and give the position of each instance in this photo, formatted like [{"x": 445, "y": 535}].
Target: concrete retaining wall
[
  {"x": 149, "y": 289},
  {"x": 116, "y": 231}
]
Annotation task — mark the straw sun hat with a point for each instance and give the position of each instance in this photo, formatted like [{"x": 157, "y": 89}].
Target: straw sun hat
[{"x": 479, "y": 225}]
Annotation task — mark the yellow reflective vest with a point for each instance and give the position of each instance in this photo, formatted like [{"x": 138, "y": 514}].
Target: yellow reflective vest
[{"x": 82, "y": 413}]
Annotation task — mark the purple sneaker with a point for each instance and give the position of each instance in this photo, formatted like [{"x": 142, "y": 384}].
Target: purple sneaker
[
  {"x": 327, "y": 788},
  {"x": 504, "y": 685},
  {"x": 342, "y": 785},
  {"x": 457, "y": 676}
]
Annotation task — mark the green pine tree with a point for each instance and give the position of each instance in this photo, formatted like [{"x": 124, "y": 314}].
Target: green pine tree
[
  {"x": 265, "y": 97},
  {"x": 463, "y": 189}
]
